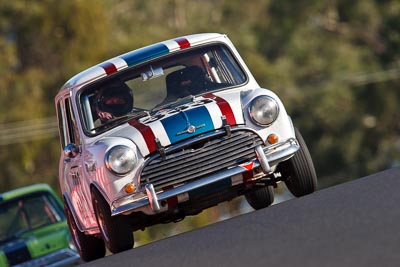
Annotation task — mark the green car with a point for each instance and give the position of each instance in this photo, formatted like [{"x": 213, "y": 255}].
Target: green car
[{"x": 33, "y": 229}]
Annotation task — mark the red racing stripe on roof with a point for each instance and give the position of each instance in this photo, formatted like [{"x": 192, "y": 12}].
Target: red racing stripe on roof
[
  {"x": 182, "y": 42},
  {"x": 225, "y": 108},
  {"x": 147, "y": 134},
  {"x": 109, "y": 67}
]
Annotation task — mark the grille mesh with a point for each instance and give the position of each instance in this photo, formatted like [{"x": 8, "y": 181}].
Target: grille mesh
[{"x": 194, "y": 162}]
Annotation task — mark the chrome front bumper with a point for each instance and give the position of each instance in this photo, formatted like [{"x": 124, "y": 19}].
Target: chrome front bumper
[{"x": 266, "y": 157}]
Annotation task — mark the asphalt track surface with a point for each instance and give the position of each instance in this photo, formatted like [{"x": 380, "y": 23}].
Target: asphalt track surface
[{"x": 352, "y": 224}]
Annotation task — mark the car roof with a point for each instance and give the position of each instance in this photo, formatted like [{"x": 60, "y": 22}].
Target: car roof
[
  {"x": 25, "y": 191},
  {"x": 137, "y": 56}
]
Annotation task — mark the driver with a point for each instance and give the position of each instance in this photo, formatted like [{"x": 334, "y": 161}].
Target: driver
[{"x": 113, "y": 100}]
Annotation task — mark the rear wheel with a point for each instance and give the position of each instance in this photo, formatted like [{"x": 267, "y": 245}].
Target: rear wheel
[
  {"x": 298, "y": 172},
  {"x": 115, "y": 230},
  {"x": 261, "y": 197},
  {"x": 89, "y": 247}
]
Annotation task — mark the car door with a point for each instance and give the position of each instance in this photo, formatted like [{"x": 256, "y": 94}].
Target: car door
[{"x": 72, "y": 179}]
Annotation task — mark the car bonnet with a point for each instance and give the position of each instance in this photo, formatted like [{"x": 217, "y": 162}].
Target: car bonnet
[{"x": 174, "y": 124}]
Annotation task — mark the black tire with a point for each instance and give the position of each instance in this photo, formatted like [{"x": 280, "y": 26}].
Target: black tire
[
  {"x": 115, "y": 230},
  {"x": 261, "y": 197},
  {"x": 299, "y": 172},
  {"x": 89, "y": 247}
]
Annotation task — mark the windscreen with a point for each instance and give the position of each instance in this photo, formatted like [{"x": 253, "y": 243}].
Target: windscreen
[{"x": 158, "y": 84}]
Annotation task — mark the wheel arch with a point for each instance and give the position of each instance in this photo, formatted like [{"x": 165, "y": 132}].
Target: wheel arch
[{"x": 95, "y": 185}]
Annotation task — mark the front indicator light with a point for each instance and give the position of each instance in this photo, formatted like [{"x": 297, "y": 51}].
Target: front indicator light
[
  {"x": 129, "y": 188},
  {"x": 272, "y": 139}
]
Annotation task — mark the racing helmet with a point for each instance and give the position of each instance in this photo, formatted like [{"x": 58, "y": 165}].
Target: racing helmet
[{"x": 115, "y": 99}]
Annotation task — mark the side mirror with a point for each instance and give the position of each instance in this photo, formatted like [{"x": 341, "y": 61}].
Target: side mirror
[{"x": 71, "y": 151}]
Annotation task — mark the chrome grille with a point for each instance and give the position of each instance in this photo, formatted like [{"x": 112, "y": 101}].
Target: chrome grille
[{"x": 193, "y": 162}]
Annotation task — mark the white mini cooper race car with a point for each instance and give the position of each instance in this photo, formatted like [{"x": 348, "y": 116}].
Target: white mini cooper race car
[{"x": 166, "y": 131}]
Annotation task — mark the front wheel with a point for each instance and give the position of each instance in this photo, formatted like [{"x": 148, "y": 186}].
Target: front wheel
[
  {"x": 261, "y": 197},
  {"x": 298, "y": 171},
  {"x": 115, "y": 230},
  {"x": 89, "y": 247}
]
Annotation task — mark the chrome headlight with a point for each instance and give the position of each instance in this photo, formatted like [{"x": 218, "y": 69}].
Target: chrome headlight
[
  {"x": 263, "y": 110},
  {"x": 121, "y": 160}
]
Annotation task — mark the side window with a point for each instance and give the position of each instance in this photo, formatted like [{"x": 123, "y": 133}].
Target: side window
[
  {"x": 61, "y": 124},
  {"x": 72, "y": 126},
  {"x": 67, "y": 123}
]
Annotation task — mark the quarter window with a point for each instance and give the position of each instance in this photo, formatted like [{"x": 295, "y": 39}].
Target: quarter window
[{"x": 67, "y": 123}]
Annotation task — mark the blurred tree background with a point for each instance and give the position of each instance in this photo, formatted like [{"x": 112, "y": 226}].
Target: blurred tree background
[{"x": 334, "y": 63}]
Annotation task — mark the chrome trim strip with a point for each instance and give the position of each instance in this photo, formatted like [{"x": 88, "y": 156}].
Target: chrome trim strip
[{"x": 273, "y": 155}]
